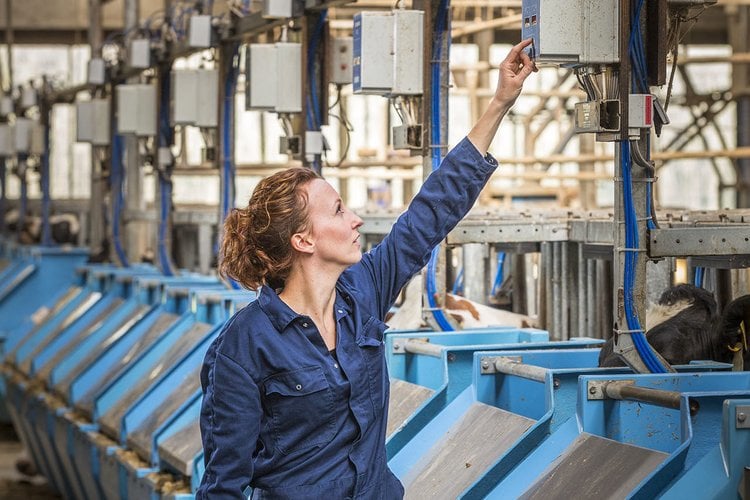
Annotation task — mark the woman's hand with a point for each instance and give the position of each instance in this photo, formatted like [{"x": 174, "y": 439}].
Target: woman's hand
[{"x": 514, "y": 70}]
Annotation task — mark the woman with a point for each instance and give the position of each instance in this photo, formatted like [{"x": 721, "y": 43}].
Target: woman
[{"x": 296, "y": 387}]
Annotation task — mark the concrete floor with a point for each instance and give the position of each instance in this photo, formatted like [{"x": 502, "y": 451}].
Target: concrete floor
[{"x": 13, "y": 484}]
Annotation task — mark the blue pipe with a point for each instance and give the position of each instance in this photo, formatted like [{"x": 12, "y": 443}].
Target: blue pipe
[
  {"x": 436, "y": 139},
  {"x": 313, "y": 118},
  {"x": 228, "y": 166}
]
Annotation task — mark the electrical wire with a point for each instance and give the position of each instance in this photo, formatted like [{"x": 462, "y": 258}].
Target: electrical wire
[
  {"x": 652, "y": 363},
  {"x": 116, "y": 184},
  {"x": 165, "y": 180}
]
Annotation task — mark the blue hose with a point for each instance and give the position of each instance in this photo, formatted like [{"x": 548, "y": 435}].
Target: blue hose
[
  {"x": 436, "y": 139},
  {"x": 653, "y": 364},
  {"x": 700, "y": 275},
  {"x": 116, "y": 176},
  {"x": 228, "y": 166}
]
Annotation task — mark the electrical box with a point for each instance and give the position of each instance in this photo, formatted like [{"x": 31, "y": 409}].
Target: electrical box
[
  {"x": 260, "y": 64},
  {"x": 22, "y": 135},
  {"x": 6, "y": 140},
  {"x": 207, "y": 115},
  {"x": 313, "y": 142},
  {"x": 597, "y": 116},
  {"x": 407, "y": 52},
  {"x": 136, "y": 109},
  {"x": 36, "y": 144},
  {"x": 96, "y": 72},
  {"x": 572, "y": 33},
  {"x": 407, "y": 137},
  {"x": 280, "y": 9},
  {"x": 139, "y": 53},
  {"x": 6, "y": 106},
  {"x": 199, "y": 32},
  {"x": 372, "y": 62},
  {"x": 288, "y": 77},
  {"x": 274, "y": 77},
  {"x": 195, "y": 97},
  {"x": 184, "y": 96},
  {"x": 640, "y": 111},
  {"x": 93, "y": 122},
  {"x": 28, "y": 97},
  {"x": 340, "y": 60}
]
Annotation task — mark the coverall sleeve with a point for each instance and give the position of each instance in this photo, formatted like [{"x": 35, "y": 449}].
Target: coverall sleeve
[
  {"x": 445, "y": 198},
  {"x": 230, "y": 425}
]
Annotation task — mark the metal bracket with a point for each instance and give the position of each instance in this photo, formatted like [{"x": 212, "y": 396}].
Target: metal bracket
[
  {"x": 595, "y": 388},
  {"x": 488, "y": 363},
  {"x": 742, "y": 414},
  {"x": 399, "y": 345}
]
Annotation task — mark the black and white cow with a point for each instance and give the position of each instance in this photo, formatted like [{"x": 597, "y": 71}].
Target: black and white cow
[{"x": 686, "y": 325}]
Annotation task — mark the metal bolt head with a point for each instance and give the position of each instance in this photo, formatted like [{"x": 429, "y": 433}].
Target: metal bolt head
[
  {"x": 556, "y": 383},
  {"x": 451, "y": 357},
  {"x": 396, "y": 347},
  {"x": 485, "y": 364},
  {"x": 741, "y": 417},
  {"x": 592, "y": 390}
]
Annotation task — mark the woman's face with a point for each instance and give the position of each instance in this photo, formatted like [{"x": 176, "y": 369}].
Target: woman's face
[{"x": 334, "y": 229}]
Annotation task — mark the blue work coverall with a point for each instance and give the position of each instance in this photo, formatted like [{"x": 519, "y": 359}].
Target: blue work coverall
[{"x": 283, "y": 415}]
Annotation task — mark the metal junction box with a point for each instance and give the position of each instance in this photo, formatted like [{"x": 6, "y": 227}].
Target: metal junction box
[
  {"x": 260, "y": 69},
  {"x": 93, "y": 122},
  {"x": 289, "y": 74},
  {"x": 184, "y": 95},
  {"x": 340, "y": 60},
  {"x": 200, "y": 32},
  {"x": 22, "y": 135},
  {"x": 6, "y": 140},
  {"x": 207, "y": 112},
  {"x": 279, "y": 9},
  {"x": 139, "y": 53},
  {"x": 407, "y": 52},
  {"x": 96, "y": 72},
  {"x": 274, "y": 77},
  {"x": 572, "y": 33},
  {"x": 372, "y": 63},
  {"x": 136, "y": 109}
]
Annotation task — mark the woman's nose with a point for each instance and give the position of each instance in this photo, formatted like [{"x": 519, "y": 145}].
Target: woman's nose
[{"x": 357, "y": 221}]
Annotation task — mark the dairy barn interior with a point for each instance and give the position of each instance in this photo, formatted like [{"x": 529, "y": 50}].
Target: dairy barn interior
[{"x": 129, "y": 129}]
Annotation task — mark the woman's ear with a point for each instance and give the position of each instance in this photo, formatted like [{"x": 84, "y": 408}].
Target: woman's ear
[{"x": 303, "y": 243}]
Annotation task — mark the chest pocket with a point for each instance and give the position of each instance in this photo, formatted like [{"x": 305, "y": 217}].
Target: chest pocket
[
  {"x": 373, "y": 353},
  {"x": 300, "y": 403}
]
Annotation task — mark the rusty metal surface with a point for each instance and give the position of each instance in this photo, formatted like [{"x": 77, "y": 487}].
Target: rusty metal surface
[
  {"x": 595, "y": 467},
  {"x": 465, "y": 453},
  {"x": 404, "y": 401}
]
